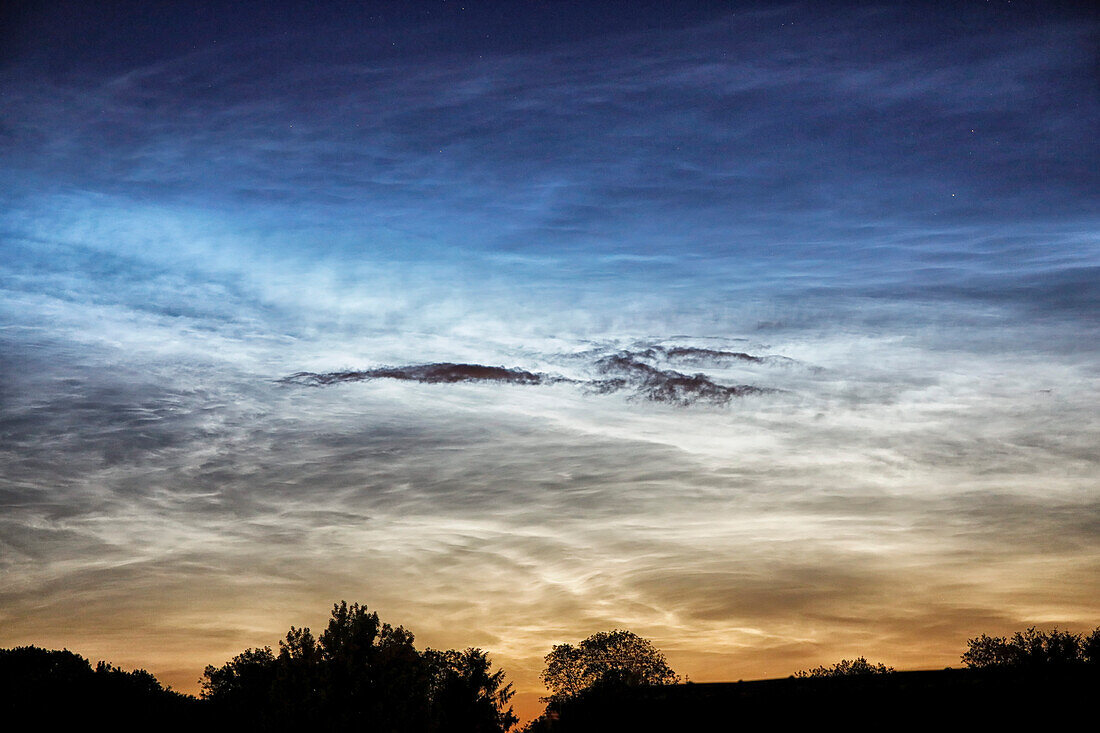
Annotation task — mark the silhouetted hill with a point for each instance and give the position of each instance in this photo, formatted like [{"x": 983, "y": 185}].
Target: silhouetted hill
[{"x": 950, "y": 699}]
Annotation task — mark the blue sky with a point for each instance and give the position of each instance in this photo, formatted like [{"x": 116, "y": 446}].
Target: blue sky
[{"x": 893, "y": 206}]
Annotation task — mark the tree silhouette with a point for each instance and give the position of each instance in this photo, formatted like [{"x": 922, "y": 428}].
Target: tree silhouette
[
  {"x": 363, "y": 674},
  {"x": 466, "y": 694},
  {"x": 605, "y": 658},
  {"x": 1033, "y": 648},
  {"x": 1090, "y": 647},
  {"x": 242, "y": 682},
  {"x": 846, "y": 668}
]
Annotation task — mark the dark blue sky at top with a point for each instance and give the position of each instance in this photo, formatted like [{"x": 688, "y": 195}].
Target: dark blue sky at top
[{"x": 926, "y": 151}]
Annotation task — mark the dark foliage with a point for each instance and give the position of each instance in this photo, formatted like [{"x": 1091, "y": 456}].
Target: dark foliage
[
  {"x": 1090, "y": 647},
  {"x": 360, "y": 674},
  {"x": 58, "y": 687},
  {"x": 599, "y": 672},
  {"x": 1034, "y": 690},
  {"x": 607, "y": 659},
  {"x": 846, "y": 668},
  {"x": 1033, "y": 648}
]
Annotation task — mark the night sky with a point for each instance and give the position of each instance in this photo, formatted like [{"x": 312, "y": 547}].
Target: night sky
[{"x": 792, "y": 313}]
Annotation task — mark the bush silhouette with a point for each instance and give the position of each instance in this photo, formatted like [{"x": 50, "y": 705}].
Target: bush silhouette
[
  {"x": 1033, "y": 648},
  {"x": 846, "y": 668}
]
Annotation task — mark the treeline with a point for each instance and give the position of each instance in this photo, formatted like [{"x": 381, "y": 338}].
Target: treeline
[
  {"x": 1033, "y": 648},
  {"x": 57, "y": 686},
  {"x": 358, "y": 674},
  {"x": 1034, "y": 677}
]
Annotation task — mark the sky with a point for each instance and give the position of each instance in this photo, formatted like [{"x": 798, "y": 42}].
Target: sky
[{"x": 768, "y": 331}]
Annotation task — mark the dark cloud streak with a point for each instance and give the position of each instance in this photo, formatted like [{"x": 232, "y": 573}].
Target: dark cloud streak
[
  {"x": 440, "y": 373},
  {"x": 623, "y": 371},
  {"x": 666, "y": 385}
]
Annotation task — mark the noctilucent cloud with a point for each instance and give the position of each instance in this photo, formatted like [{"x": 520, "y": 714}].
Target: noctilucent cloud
[{"x": 767, "y": 331}]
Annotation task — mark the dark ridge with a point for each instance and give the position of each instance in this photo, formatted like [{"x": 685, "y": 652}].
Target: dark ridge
[
  {"x": 665, "y": 385},
  {"x": 440, "y": 373},
  {"x": 951, "y": 699}
]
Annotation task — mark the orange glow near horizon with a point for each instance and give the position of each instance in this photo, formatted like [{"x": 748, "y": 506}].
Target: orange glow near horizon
[{"x": 178, "y": 660}]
